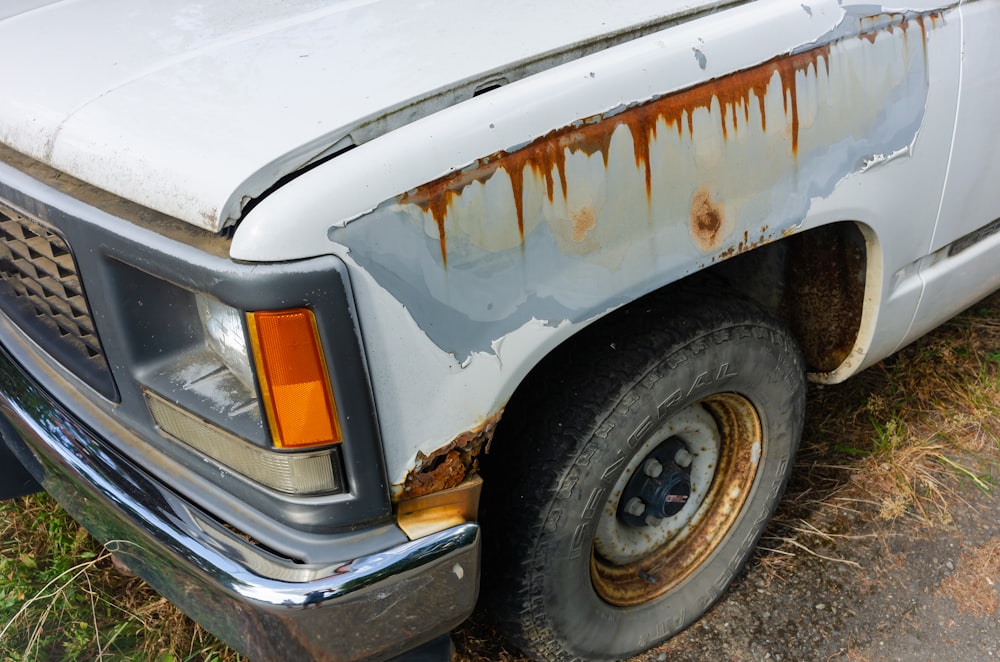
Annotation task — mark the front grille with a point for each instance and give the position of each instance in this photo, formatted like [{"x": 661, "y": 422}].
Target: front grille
[{"x": 41, "y": 292}]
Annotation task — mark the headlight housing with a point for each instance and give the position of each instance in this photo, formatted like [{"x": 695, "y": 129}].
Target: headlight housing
[{"x": 249, "y": 400}]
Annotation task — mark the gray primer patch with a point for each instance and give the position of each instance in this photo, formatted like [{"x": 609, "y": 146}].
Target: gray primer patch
[
  {"x": 702, "y": 60},
  {"x": 484, "y": 295}
]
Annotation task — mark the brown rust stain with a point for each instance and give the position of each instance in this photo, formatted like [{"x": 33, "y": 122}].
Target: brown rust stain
[
  {"x": 583, "y": 220},
  {"x": 451, "y": 464},
  {"x": 706, "y": 221},
  {"x": 749, "y": 244},
  {"x": 545, "y": 157}
]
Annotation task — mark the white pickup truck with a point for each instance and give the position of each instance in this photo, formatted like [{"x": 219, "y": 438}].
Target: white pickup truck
[{"x": 309, "y": 305}]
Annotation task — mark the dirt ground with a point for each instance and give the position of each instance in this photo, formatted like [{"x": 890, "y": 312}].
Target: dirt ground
[
  {"x": 897, "y": 591},
  {"x": 869, "y": 589}
]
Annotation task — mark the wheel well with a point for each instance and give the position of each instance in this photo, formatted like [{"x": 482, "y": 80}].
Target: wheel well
[{"x": 813, "y": 281}]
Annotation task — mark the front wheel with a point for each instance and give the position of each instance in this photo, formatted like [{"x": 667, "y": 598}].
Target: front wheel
[{"x": 634, "y": 485}]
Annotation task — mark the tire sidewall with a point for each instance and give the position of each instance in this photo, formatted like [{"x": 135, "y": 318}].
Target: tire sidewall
[{"x": 747, "y": 359}]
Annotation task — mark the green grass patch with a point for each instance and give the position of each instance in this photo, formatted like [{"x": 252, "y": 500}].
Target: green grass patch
[{"x": 62, "y": 598}]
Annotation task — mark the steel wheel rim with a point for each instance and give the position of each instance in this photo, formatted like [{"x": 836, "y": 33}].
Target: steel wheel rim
[{"x": 648, "y": 571}]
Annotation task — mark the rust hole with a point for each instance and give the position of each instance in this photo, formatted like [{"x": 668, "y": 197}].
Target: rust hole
[{"x": 451, "y": 464}]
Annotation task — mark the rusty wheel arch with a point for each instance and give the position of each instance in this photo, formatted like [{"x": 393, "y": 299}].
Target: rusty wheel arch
[{"x": 814, "y": 281}]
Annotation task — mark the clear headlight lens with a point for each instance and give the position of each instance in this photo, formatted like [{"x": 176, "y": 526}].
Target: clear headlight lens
[{"x": 226, "y": 336}]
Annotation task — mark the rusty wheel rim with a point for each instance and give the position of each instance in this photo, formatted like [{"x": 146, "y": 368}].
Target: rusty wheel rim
[{"x": 634, "y": 563}]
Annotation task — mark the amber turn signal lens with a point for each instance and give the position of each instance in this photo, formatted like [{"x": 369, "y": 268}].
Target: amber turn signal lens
[{"x": 296, "y": 390}]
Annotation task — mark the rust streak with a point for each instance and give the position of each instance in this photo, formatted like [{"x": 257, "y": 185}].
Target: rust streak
[
  {"x": 789, "y": 92},
  {"x": 545, "y": 157},
  {"x": 436, "y": 198},
  {"x": 514, "y": 165},
  {"x": 722, "y": 116},
  {"x": 643, "y": 133}
]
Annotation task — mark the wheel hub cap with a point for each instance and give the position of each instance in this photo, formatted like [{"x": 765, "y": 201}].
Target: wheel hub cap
[{"x": 661, "y": 488}]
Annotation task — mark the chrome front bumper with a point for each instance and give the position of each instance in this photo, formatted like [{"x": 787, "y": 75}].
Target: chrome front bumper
[{"x": 369, "y": 608}]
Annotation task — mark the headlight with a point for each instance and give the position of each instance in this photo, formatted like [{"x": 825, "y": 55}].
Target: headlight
[
  {"x": 226, "y": 336},
  {"x": 291, "y": 473},
  {"x": 205, "y": 392}
]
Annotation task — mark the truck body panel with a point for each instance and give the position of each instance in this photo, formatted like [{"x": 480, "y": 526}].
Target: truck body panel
[
  {"x": 625, "y": 170},
  {"x": 443, "y": 196},
  {"x": 150, "y": 84}
]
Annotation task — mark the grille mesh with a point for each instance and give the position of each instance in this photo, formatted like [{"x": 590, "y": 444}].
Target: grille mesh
[{"x": 43, "y": 295}]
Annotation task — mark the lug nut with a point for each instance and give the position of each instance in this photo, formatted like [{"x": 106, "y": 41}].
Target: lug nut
[
  {"x": 652, "y": 468},
  {"x": 652, "y": 520},
  {"x": 635, "y": 507},
  {"x": 683, "y": 458}
]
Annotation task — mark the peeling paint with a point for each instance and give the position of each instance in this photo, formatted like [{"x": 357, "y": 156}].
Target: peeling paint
[
  {"x": 879, "y": 159},
  {"x": 700, "y": 56},
  {"x": 637, "y": 196}
]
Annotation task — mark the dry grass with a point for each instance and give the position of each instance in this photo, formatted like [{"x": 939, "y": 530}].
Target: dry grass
[
  {"x": 61, "y": 598},
  {"x": 973, "y": 585},
  {"x": 895, "y": 441},
  {"x": 906, "y": 428}
]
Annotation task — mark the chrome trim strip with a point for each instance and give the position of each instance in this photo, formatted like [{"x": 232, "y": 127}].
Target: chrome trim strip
[{"x": 369, "y": 608}]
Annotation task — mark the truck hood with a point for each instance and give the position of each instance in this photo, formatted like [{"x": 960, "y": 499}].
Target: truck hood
[{"x": 194, "y": 109}]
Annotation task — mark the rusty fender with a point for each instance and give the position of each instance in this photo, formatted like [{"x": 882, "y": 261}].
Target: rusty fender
[
  {"x": 636, "y": 197},
  {"x": 467, "y": 279},
  {"x": 449, "y": 465}
]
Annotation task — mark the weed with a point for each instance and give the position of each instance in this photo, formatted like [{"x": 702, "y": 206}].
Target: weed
[{"x": 61, "y": 597}]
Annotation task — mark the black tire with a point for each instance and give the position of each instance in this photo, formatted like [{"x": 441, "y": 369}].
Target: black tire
[{"x": 573, "y": 567}]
